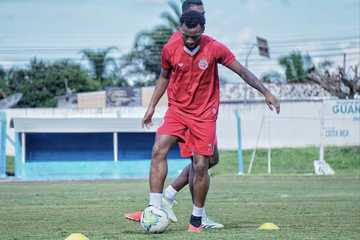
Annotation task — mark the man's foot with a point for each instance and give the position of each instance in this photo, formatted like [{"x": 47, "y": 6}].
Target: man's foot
[
  {"x": 194, "y": 229},
  {"x": 167, "y": 206},
  {"x": 207, "y": 223},
  {"x": 134, "y": 216}
]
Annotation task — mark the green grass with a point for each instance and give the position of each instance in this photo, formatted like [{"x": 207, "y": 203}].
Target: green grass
[
  {"x": 10, "y": 166},
  {"x": 304, "y": 207},
  {"x": 289, "y": 161},
  {"x": 292, "y": 161}
]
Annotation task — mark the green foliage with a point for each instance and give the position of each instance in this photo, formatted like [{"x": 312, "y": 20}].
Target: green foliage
[
  {"x": 273, "y": 77},
  {"x": 4, "y": 83},
  {"x": 99, "y": 60},
  {"x": 144, "y": 60},
  {"x": 295, "y": 67},
  {"x": 42, "y": 82},
  {"x": 172, "y": 18}
]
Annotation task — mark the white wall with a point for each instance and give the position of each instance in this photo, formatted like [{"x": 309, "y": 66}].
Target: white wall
[{"x": 297, "y": 125}]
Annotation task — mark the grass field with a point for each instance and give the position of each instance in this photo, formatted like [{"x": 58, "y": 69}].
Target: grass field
[{"x": 304, "y": 207}]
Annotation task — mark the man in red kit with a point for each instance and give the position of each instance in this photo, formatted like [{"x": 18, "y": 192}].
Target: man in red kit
[
  {"x": 186, "y": 175},
  {"x": 190, "y": 76}
]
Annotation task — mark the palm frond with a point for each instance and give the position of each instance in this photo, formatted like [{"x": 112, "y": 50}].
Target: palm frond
[
  {"x": 171, "y": 21},
  {"x": 175, "y": 8}
]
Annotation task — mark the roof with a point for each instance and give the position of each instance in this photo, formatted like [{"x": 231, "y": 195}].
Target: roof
[{"x": 81, "y": 125}]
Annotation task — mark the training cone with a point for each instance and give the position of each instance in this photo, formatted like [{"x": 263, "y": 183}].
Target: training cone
[
  {"x": 268, "y": 226},
  {"x": 77, "y": 236}
]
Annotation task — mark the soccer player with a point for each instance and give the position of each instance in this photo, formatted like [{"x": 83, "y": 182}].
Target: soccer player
[
  {"x": 190, "y": 76},
  {"x": 186, "y": 175}
]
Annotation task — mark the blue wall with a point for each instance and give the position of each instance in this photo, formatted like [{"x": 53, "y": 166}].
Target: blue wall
[
  {"x": 45, "y": 147},
  {"x": 74, "y": 156},
  {"x": 138, "y": 146}
]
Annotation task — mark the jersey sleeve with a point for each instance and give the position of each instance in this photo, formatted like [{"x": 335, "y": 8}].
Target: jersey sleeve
[
  {"x": 165, "y": 59},
  {"x": 223, "y": 54}
]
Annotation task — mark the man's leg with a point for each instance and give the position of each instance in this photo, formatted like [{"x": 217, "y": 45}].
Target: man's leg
[
  {"x": 206, "y": 222},
  {"x": 201, "y": 181},
  {"x": 177, "y": 185},
  {"x": 183, "y": 179},
  {"x": 158, "y": 170}
]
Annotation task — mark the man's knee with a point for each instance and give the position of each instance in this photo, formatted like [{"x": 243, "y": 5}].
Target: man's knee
[
  {"x": 201, "y": 166},
  {"x": 159, "y": 151},
  {"x": 214, "y": 159}
]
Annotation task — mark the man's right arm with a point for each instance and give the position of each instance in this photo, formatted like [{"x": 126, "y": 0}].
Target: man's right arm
[
  {"x": 159, "y": 91},
  {"x": 160, "y": 88}
]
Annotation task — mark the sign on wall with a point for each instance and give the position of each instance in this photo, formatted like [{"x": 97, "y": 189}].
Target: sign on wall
[
  {"x": 124, "y": 96},
  {"x": 342, "y": 121}
]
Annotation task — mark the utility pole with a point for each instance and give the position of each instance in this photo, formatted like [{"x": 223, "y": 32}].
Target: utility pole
[{"x": 264, "y": 51}]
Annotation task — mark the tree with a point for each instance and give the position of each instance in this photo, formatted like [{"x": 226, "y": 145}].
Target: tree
[
  {"x": 117, "y": 79},
  {"x": 99, "y": 60},
  {"x": 340, "y": 83},
  {"x": 273, "y": 77},
  {"x": 173, "y": 17},
  {"x": 3, "y": 83},
  {"x": 42, "y": 82},
  {"x": 295, "y": 67},
  {"x": 144, "y": 60}
]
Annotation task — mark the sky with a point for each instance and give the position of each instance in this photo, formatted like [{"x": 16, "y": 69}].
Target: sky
[{"x": 55, "y": 29}]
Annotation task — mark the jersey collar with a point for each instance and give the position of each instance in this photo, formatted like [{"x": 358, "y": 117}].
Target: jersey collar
[{"x": 192, "y": 52}]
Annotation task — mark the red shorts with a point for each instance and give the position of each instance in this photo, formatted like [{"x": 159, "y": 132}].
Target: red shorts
[{"x": 196, "y": 137}]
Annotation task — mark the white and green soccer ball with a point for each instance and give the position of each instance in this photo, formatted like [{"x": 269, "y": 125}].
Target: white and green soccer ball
[{"x": 154, "y": 220}]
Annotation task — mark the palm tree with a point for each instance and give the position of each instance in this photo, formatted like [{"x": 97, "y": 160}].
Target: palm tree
[
  {"x": 99, "y": 60},
  {"x": 3, "y": 82},
  {"x": 172, "y": 18},
  {"x": 145, "y": 57}
]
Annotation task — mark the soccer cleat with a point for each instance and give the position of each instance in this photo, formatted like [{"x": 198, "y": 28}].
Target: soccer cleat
[
  {"x": 194, "y": 229},
  {"x": 207, "y": 223},
  {"x": 167, "y": 207},
  {"x": 134, "y": 216}
]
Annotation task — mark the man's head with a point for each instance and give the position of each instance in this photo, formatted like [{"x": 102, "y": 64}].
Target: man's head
[
  {"x": 192, "y": 26},
  {"x": 193, "y": 5}
]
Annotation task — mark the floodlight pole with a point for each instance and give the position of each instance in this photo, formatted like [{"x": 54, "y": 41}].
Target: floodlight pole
[
  {"x": 248, "y": 55},
  {"x": 246, "y": 65}
]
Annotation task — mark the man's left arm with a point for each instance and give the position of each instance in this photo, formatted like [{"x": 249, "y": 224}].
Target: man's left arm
[{"x": 254, "y": 82}]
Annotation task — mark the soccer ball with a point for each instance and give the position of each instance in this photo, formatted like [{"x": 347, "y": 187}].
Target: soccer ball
[{"x": 154, "y": 220}]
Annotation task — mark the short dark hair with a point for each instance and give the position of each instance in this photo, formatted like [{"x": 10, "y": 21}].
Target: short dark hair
[
  {"x": 187, "y": 3},
  {"x": 192, "y": 18}
]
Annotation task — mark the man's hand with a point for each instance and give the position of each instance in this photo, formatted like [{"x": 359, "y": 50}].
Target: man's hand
[
  {"x": 272, "y": 102},
  {"x": 147, "y": 120}
]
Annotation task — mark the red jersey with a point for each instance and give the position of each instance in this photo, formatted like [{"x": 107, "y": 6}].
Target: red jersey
[{"x": 193, "y": 89}]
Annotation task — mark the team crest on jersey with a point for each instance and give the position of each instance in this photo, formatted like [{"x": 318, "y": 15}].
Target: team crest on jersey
[{"x": 203, "y": 64}]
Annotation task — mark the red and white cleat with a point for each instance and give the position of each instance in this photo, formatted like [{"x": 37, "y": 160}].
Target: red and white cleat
[
  {"x": 193, "y": 229},
  {"x": 134, "y": 216}
]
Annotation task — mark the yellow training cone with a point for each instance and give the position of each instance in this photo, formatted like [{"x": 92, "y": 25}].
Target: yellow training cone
[
  {"x": 268, "y": 226},
  {"x": 77, "y": 236}
]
